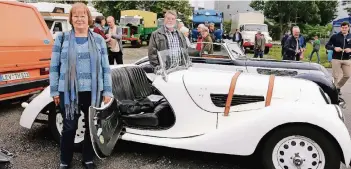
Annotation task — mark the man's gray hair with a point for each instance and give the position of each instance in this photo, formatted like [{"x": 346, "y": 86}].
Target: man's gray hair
[
  {"x": 296, "y": 27},
  {"x": 174, "y": 13}
]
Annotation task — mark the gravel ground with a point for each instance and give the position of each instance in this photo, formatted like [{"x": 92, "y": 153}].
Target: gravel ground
[{"x": 35, "y": 148}]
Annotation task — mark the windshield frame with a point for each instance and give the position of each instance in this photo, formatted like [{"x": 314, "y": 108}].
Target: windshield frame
[
  {"x": 256, "y": 26},
  {"x": 129, "y": 17}
]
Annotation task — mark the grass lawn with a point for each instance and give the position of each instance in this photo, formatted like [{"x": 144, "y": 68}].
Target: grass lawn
[{"x": 275, "y": 53}]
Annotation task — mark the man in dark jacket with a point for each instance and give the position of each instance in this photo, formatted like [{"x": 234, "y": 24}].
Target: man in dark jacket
[
  {"x": 340, "y": 43},
  {"x": 292, "y": 47},
  {"x": 166, "y": 37},
  {"x": 285, "y": 37},
  {"x": 237, "y": 37}
]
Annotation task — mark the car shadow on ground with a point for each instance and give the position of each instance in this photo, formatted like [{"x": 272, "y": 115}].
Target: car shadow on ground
[{"x": 182, "y": 158}]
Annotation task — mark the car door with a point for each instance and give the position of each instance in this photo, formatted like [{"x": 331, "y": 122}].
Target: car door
[{"x": 105, "y": 127}]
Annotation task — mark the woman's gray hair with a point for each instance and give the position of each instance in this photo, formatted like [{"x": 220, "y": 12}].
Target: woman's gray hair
[
  {"x": 201, "y": 25},
  {"x": 204, "y": 29},
  {"x": 184, "y": 29}
]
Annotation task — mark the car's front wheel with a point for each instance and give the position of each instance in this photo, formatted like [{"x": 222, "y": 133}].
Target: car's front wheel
[
  {"x": 301, "y": 147},
  {"x": 56, "y": 126}
]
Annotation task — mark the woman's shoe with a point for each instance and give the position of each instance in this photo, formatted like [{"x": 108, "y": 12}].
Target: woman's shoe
[
  {"x": 89, "y": 165},
  {"x": 64, "y": 167}
]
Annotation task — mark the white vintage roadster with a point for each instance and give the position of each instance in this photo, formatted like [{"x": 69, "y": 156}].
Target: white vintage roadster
[
  {"x": 229, "y": 56},
  {"x": 287, "y": 122}
]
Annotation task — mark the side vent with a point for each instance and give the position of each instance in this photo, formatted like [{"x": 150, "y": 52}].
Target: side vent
[{"x": 220, "y": 99}]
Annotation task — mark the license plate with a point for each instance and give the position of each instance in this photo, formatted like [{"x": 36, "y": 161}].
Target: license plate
[{"x": 14, "y": 76}]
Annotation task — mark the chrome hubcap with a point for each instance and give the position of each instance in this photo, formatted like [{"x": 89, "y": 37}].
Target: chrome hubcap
[
  {"x": 80, "y": 128},
  {"x": 298, "y": 152}
]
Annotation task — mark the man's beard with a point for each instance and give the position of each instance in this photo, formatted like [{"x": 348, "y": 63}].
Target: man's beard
[{"x": 170, "y": 25}]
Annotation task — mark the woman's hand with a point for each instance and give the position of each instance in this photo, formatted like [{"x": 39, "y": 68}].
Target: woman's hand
[
  {"x": 106, "y": 99},
  {"x": 56, "y": 100}
]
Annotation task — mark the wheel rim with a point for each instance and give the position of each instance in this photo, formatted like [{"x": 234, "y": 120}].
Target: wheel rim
[
  {"x": 298, "y": 152},
  {"x": 80, "y": 129}
]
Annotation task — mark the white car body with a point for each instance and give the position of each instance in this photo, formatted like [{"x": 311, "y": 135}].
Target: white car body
[{"x": 200, "y": 125}]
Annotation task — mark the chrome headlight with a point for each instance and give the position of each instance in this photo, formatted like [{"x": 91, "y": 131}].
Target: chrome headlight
[{"x": 340, "y": 113}]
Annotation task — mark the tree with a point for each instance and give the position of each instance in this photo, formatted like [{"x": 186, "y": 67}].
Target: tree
[
  {"x": 346, "y": 3},
  {"x": 288, "y": 13},
  {"x": 113, "y": 8}
]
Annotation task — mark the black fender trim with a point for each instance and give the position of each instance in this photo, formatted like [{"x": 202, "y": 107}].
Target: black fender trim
[{"x": 323, "y": 82}]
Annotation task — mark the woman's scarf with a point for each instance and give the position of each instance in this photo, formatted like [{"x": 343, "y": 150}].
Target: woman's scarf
[{"x": 71, "y": 80}]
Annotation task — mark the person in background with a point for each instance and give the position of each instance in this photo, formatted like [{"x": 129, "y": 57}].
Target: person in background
[
  {"x": 292, "y": 48},
  {"x": 180, "y": 25},
  {"x": 79, "y": 78},
  {"x": 185, "y": 32},
  {"x": 103, "y": 24},
  {"x": 316, "y": 46},
  {"x": 237, "y": 37},
  {"x": 167, "y": 38},
  {"x": 285, "y": 37},
  {"x": 199, "y": 37},
  {"x": 340, "y": 43},
  {"x": 115, "y": 44},
  {"x": 99, "y": 29},
  {"x": 207, "y": 43},
  {"x": 211, "y": 29},
  {"x": 302, "y": 44},
  {"x": 259, "y": 46}
]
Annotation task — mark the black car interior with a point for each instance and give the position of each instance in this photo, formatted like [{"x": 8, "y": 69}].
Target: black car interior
[{"x": 138, "y": 102}]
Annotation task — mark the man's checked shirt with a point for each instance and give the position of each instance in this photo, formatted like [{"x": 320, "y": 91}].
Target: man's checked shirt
[{"x": 174, "y": 46}]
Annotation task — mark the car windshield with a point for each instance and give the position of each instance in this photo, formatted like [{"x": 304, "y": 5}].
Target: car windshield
[
  {"x": 130, "y": 19},
  {"x": 209, "y": 50},
  {"x": 236, "y": 50},
  {"x": 172, "y": 60},
  {"x": 256, "y": 27}
]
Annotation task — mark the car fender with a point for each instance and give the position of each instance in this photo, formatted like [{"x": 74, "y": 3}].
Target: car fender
[
  {"x": 323, "y": 82},
  {"x": 257, "y": 124},
  {"x": 241, "y": 132},
  {"x": 35, "y": 107}
]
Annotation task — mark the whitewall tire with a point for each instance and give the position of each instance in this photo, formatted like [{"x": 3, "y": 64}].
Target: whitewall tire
[{"x": 56, "y": 125}]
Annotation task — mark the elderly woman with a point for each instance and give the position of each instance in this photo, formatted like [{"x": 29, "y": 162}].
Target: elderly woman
[
  {"x": 199, "y": 37},
  {"x": 98, "y": 27},
  {"x": 207, "y": 44},
  {"x": 185, "y": 31},
  {"x": 79, "y": 77}
]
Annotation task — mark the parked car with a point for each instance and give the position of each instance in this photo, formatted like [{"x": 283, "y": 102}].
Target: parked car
[
  {"x": 215, "y": 111},
  {"x": 25, "y": 50},
  {"x": 230, "y": 56}
]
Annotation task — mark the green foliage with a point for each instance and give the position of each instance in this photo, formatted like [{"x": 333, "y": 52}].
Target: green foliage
[
  {"x": 310, "y": 31},
  {"x": 227, "y": 26},
  {"x": 113, "y": 8},
  {"x": 288, "y": 13}
]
